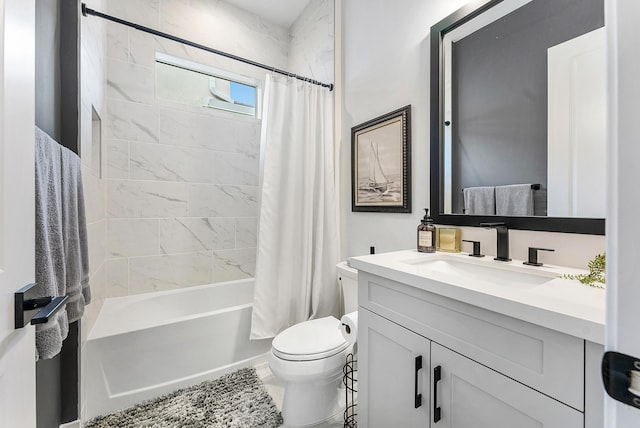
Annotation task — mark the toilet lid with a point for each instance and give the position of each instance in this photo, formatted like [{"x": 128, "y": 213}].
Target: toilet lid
[{"x": 310, "y": 340}]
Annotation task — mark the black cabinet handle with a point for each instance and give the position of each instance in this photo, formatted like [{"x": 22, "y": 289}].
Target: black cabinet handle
[
  {"x": 417, "y": 396},
  {"x": 437, "y": 375}
]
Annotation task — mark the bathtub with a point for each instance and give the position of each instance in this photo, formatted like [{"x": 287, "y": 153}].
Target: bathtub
[{"x": 147, "y": 345}]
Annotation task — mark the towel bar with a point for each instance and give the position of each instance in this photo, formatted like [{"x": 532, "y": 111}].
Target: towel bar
[
  {"x": 533, "y": 186},
  {"x": 35, "y": 310}
]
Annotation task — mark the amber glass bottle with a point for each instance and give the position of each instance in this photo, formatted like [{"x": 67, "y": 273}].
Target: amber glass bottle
[{"x": 426, "y": 234}]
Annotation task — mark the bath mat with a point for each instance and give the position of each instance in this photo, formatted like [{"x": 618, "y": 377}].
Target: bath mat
[{"x": 238, "y": 399}]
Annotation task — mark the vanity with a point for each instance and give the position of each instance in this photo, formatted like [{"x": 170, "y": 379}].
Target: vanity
[{"x": 448, "y": 340}]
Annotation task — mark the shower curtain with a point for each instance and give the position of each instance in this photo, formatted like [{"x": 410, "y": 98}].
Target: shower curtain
[{"x": 298, "y": 239}]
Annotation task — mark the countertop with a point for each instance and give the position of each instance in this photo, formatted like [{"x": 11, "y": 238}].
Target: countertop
[{"x": 560, "y": 304}]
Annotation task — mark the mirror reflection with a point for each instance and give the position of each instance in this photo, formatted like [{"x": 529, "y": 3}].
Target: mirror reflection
[{"x": 524, "y": 111}]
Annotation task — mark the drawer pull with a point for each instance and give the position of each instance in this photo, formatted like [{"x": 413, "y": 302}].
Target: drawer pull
[
  {"x": 437, "y": 375},
  {"x": 417, "y": 396}
]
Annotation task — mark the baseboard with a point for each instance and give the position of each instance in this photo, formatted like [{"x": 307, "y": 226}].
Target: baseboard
[{"x": 74, "y": 424}]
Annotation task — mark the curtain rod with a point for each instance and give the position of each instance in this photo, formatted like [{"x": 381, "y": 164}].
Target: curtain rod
[{"x": 87, "y": 11}]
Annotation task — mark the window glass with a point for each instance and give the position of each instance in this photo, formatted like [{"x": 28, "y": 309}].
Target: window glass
[{"x": 179, "y": 83}]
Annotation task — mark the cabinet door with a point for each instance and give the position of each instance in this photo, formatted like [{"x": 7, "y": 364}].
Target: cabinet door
[
  {"x": 472, "y": 395},
  {"x": 390, "y": 379}
]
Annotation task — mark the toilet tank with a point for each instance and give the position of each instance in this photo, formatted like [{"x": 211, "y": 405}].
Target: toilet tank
[{"x": 348, "y": 280}]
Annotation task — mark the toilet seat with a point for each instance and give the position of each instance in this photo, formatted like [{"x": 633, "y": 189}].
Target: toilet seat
[{"x": 310, "y": 340}]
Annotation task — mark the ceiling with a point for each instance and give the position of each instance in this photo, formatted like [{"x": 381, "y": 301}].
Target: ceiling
[{"x": 281, "y": 12}]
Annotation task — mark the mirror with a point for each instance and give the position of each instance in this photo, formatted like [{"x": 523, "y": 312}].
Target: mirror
[{"x": 518, "y": 101}]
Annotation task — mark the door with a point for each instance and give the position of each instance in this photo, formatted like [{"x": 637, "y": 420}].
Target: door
[
  {"x": 623, "y": 227},
  {"x": 389, "y": 373},
  {"x": 576, "y": 127},
  {"x": 472, "y": 395},
  {"x": 17, "y": 347}
]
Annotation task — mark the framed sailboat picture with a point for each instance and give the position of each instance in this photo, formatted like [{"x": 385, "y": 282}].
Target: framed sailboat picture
[{"x": 381, "y": 163}]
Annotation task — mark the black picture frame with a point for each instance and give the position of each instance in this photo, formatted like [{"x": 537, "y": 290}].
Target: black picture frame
[{"x": 381, "y": 163}]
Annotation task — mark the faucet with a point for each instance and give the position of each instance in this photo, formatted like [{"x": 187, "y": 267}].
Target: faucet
[{"x": 502, "y": 242}]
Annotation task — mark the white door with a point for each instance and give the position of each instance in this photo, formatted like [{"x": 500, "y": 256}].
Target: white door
[
  {"x": 623, "y": 223},
  {"x": 472, "y": 395},
  {"x": 577, "y": 126},
  {"x": 389, "y": 379},
  {"x": 17, "y": 347}
]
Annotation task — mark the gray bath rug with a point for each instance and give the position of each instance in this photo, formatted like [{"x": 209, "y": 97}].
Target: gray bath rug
[{"x": 236, "y": 400}]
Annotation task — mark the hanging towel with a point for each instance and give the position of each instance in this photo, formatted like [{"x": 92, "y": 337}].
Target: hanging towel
[
  {"x": 62, "y": 262},
  {"x": 514, "y": 200},
  {"x": 74, "y": 233},
  {"x": 479, "y": 200},
  {"x": 49, "y": 257}
]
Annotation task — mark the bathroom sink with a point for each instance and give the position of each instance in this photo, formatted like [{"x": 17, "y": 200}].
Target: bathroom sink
[{"x": 488, "y": 272}]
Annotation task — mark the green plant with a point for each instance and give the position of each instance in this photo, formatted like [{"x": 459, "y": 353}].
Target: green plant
[{"x": 595, "y": 277}]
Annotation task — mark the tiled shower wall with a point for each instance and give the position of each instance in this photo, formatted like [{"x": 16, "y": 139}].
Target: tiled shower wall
[
  {"x": 182, "y": 182},
  {"x": 92, "y": 97},
  {"x": 311, "y": 49}
]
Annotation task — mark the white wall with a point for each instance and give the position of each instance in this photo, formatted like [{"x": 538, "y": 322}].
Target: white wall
[{"x": 385, "y": 64}]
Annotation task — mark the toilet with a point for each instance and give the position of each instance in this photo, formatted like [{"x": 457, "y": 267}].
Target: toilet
[{"x": 308, "y": 358}]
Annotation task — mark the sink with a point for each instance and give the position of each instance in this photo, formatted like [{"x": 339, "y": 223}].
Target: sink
[{"x": 481, "y": 272}]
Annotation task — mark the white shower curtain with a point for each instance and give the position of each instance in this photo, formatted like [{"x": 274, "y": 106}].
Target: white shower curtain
[{"x": 298, "y": 238}]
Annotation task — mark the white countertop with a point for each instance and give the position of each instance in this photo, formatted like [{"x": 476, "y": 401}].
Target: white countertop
[{"x": 559, "y": 304}]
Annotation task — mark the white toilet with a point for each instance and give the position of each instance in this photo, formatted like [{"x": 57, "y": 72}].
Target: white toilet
[{"x": 308, "y": 357}]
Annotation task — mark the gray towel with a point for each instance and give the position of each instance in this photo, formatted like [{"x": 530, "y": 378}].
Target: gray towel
[
  {"x": 62, "y": 263},
  {"x": 514, "y": 200},
  {"x": 479, "y": 200},
  {"x": 74, "y": 233},
  {"x": 49, "y": 257}
]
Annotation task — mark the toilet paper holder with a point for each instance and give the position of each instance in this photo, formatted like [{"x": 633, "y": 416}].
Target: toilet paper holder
[
  {"x": 347, "y": 328},
  {"x": 349, "y": 378}
]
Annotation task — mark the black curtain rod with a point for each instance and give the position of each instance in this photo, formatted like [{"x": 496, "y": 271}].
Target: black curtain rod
[{"x": 87, "y": 11}]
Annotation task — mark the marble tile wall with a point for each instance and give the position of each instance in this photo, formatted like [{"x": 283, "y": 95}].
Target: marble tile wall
[
  {"x": 311, "y": 48},
  {"x": 93, "y": 49},
  {"x": 182, "y": 182}
]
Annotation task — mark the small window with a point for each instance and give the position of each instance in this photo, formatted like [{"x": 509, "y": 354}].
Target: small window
[{"x": 190, "y": 83}]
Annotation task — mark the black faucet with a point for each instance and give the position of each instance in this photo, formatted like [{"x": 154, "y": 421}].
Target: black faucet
[{"x": 502, "y": 242}]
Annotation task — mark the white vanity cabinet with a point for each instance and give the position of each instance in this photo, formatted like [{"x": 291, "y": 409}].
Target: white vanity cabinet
[
  {"x": 495, "y": 370},
  {"x": 472, "y": 395},
  {"x": 393, "y": 375}
]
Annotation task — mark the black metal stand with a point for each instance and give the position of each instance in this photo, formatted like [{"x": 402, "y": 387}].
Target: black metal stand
[{"x": 350, "y": 381}]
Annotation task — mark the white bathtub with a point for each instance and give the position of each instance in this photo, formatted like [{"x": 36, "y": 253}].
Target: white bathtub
[{"x": 147, "y": 345}]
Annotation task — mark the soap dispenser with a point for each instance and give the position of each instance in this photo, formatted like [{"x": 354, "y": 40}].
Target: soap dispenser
[{"x": 426, "y": 234}]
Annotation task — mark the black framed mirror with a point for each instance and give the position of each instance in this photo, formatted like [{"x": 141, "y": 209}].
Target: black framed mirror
[{"x": 504, "y": 116}]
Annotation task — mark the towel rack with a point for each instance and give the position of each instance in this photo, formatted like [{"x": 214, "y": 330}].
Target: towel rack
[
  {"x": 533, "y": 186},
  {"x": 35, "y": 310}
]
